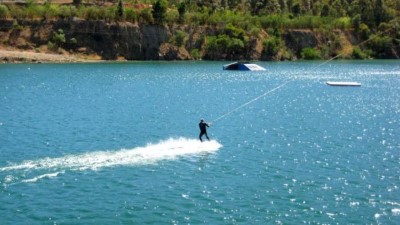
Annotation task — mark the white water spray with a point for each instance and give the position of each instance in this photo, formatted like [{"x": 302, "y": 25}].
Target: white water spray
[{"x": 170, "y": 149}]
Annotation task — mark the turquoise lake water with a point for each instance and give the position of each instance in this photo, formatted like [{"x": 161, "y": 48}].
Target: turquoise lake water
[{"x": 117, "y": 143}]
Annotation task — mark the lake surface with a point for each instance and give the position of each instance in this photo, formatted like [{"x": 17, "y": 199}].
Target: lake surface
[{"x": 117, "y": 143}]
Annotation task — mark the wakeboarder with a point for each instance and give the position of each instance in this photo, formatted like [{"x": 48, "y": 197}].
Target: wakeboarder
[{"x": 203, "y": 129}]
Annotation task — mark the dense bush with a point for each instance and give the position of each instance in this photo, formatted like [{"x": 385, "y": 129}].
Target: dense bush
[
  {"x": 219, "y": 18},
  {"x": 49, "y": 11},
  {"x": 272, "y": 46},
  {"x": 276, "y": 21},
  {"x": 360, "y": 54},
  {"x": 130, "y": 15},
  {"x": 235, "y": 32},
  {"x": 145, "y": 16},
  {"x": 342, "y": 23},
  {"x": 380, "y": 45},
  {"x": 195, "y": 53},
  {"x": 3, "y": 11},
  {"x": 364, "y": 31},
  {"x": 57, "y": 40},
  {"x": 172, "y": 16},
  {"x": 310, "y": 53},
  {"x": 66, "y": 12},
  {"x": 308, "y": 22},
  {"x": 179, "y": 38},
  {"x": 59, "y": 37},
  {"x": 223, "y": 44}
]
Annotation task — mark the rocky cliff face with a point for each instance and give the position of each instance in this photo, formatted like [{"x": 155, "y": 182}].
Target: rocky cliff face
[
  {"x": 108, "y": 40},
  {"x": 123, "y": 40},
  {"x": 115, "y": 40},
  {"x": 299, "y": 39}
]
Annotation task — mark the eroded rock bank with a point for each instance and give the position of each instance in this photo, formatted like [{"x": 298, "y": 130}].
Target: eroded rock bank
[{"x": 131, "y": 41}]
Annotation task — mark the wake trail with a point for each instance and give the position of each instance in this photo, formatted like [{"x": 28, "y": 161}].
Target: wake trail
[{"x": 169, "y": 149}]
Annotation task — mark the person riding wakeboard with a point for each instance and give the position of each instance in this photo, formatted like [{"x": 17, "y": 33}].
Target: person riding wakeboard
[{"x": 203, "y": 129}]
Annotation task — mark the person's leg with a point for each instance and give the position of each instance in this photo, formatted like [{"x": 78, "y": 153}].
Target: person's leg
[
  {"x": 207, "y": 136},
  {"x": 201, "y": 134}
]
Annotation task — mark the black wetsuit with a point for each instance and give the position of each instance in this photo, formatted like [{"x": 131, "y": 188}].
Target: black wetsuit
[{"x": 203, "y": 130}]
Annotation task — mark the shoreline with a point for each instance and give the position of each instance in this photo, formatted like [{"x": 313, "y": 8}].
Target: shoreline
[{"x": 16, "y": 56}]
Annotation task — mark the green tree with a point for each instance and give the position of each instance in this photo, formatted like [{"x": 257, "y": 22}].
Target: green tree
[
  {"x": 120, "y": 10},
  {"x": 325, "y": 11},
  {"x": 77, "y": 2},
  {"x": 366, "y": 11},
  {"x": 381, "y": 12},
  {"x": 296, "y": 9},
  {"x": 356, "y": 22},
  {"x": 283, "y": 6},
  {"x": 159, "y": 11},
  {"x": 364, "y": 31},
  {"x": 256, "y": 6},
  {"x": 181, "y": 11},
  {"x": 273, "y": 7},
  {"x": 290, "y": 4},
  {"x": 307, "y": 6}
]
